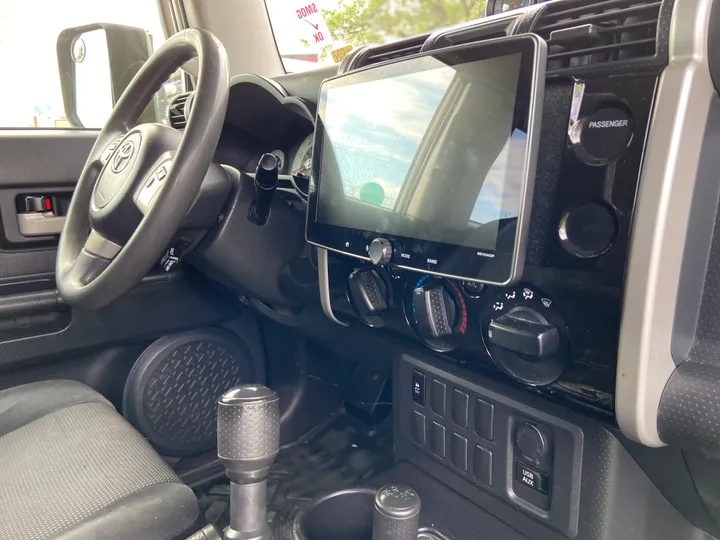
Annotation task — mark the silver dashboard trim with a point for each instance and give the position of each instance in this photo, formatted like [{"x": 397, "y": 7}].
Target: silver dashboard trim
[
  {"x": 660, "y": 223},
  {"x": 324, "y": 282},
  {"x": 98, "y": 245},
  {"x": 574, "y": 122}
]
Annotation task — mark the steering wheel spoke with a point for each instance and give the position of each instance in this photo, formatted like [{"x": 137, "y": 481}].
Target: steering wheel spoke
[
  {"x": 151, "y": 186},
  {"x": 86, "y": 268},
  {"x": 99, "y": 246}
]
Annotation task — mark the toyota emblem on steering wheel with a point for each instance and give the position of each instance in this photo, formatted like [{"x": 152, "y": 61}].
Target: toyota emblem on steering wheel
[{"x": 122, "y": 157}]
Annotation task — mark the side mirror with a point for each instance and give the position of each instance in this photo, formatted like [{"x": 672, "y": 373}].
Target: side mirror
[{"x": 97, "y": 62}]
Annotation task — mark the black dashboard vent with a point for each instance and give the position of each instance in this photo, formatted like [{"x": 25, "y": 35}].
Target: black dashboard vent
[
  {"x": 611, "y": 32},
  {"x": 396, "y": 49},
  {"x": 176, "y": 111}
]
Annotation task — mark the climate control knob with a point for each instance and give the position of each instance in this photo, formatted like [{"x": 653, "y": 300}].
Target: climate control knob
[
  {"x": 525, "y": 331},
  {"x": 369, "y": 295},
  {"x": 525, "y": 335},
  {"x": 435, "y": 312}
]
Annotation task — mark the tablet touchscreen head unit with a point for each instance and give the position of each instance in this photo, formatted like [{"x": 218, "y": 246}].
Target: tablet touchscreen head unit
[{"x": 431, "y": 159}]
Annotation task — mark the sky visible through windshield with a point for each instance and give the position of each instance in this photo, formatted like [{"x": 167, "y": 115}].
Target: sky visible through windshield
[
  {"x": 378, "y": 145},
  {"x": 377, "y": 131}
]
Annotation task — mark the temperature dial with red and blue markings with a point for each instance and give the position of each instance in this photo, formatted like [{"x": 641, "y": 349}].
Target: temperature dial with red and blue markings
[{"x": 436, "y": 311}]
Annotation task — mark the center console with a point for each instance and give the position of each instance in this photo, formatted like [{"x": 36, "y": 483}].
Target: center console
[
  {"x": 501, "y": 247},
  {"x": 492, "y": 444},
  {"x": 553, "y": 327}
]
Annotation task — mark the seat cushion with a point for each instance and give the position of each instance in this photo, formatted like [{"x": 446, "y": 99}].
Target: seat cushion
[
  {"x": 72, "y": 467},
  {"x": 21, "y": 405}
]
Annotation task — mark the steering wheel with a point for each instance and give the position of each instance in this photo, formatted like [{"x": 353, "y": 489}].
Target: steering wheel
[{"x": 140, "y": 181}]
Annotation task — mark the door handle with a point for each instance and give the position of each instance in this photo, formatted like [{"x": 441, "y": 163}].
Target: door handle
[{"x": 40, "y": 224}]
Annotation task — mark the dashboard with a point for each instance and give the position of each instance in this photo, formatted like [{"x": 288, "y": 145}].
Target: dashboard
[
  {"x": 561, "y": 328},
  {"x": 611, "y": 324},
  {"x": 297, "y": 160},
  {"x": 554, "y": 330},
  {"x": 577, "y": 246}
]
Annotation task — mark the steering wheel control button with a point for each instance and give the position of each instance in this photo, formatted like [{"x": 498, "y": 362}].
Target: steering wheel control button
[
  {"x": 418, "y": 389},
  {"x": 146, "y": 194},
  {"x": 535, "y": 480},
  {"x": 380, "y": 251},
  {"x": 604, "y": 136},
  {"x": 110, "y": 149},
  {"x": 530, "y": 441},
  {"x": 459, "y": 408},
  {"x": 588, "y": 230}
]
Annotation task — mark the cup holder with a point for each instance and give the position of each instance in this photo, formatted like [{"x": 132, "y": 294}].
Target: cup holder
[{"x": 346, "y": 515}]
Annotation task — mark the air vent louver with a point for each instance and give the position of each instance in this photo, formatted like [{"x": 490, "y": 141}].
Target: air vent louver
[
  {"x": 396, "y": 49},
  {"x": 176, "y": 111},
  {"x": 607, "y": 32}
]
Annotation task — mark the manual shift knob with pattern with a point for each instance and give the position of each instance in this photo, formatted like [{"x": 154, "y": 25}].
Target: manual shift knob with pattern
[
  {"x": 397, "y": 513},
  {"x": 248, "y": 431}
]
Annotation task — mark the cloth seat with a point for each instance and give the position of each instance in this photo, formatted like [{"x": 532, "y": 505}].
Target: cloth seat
[{"x": 72, "y": 468}]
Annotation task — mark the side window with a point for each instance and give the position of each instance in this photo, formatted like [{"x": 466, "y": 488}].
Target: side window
[{"x": 66, "y": 62}]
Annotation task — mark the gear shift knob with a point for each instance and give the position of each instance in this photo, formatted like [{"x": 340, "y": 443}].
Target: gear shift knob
[
  {"x": 248, "y": 432},
  {"x": 397, "y": 513}
]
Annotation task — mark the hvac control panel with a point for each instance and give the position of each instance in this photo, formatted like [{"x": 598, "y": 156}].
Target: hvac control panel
[{"x": 554, "y": 330}]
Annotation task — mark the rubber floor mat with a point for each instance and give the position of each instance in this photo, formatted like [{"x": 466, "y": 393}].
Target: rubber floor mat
[{"x": 344, "y": 455}]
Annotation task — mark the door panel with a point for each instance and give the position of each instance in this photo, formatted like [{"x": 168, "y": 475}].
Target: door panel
[
  {"x": 35, "y": 163},
  {"x": 162, "y": 304},
  {"x": 39, "y": 157},
  {"x": 40, "y": 336}
]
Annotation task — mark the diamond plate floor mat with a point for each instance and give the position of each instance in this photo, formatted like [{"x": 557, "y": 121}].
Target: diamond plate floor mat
[{"x": 347, "y": 453}]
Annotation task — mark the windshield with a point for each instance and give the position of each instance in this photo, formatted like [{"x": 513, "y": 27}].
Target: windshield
[{"x": 321, "y": 32}]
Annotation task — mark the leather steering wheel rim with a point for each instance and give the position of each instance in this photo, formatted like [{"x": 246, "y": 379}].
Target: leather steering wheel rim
[{"x": 95, "y": 269}]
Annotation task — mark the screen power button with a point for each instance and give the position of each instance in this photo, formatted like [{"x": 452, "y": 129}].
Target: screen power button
[{"x": 380, "y": 251}]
